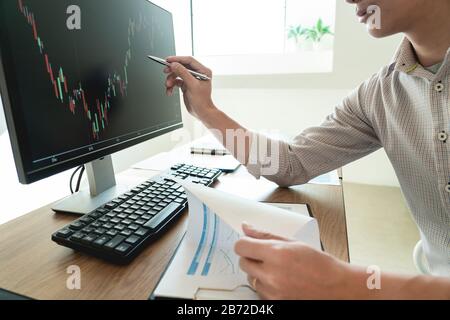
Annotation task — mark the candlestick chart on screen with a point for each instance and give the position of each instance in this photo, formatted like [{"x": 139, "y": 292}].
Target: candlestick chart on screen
[{"x": 70, "y": 92}]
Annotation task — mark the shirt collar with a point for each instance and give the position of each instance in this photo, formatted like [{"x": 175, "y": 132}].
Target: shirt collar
[{"x": 405, "y": 60}]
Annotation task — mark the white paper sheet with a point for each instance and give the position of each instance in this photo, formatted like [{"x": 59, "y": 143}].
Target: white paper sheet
[
  {"x": 205, "y": 260},
  {"x": 330, "y": 178}
]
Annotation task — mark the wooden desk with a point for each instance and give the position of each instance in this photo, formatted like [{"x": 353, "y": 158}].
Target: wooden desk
[{"x": 34, "y": 266}]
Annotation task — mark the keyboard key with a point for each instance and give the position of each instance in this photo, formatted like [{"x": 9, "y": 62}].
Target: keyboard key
[
  {"x": 119, "y": 227},
  {"x": 112, "y": 232},
  {"x": 104, "y": 219},
  {"x": 123, "y": 248},
  {"x": 132, "y": 239},
  {"x": 102, "y": 211},
  {"x": 96, "y": 224},
  {"x": 95, "y": 215},
  {"x": 162, "y": 216},
  {"x": 139, "y": 212},
  {"x": 209, "y": 175},
  {"x": 89, "y": 239},
  {"x": 110, "y": 205},
  {"x": 126, "y": 222},
  {"x": 141, "y": 232},
  {"x": 133, "y": 227},
  {"x": 64, "y": 233},
  {"x": 107, "y": 225},
  {"x": 126, "y": 232},
  {"x": 88, "y": 230},
  {"x": 77, "y": 236},
  {"x": 140, "y": 221},
  {"x": 99, "y": 231},
  {"x": 114, "y": 242},
  {"x": 77, "y": 225},
  {"x": 101, "y": 241}
]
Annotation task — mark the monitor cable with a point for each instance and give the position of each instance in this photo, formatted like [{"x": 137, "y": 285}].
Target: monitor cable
[{"x": 80, "y": 176}]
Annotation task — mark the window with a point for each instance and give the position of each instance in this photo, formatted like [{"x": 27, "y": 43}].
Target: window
[{"x": 264, "y": 36}]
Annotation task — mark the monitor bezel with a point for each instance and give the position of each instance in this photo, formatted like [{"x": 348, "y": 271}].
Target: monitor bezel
[{"x": 22, "y": 158}]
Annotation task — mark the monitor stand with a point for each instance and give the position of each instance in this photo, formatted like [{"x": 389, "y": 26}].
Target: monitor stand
[{"x": 102, "y": 189}]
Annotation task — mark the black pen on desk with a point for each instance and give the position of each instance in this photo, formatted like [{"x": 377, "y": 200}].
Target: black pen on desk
[
  {"x": 210, "y": 152},
  {"x": 198, "y": 75}
]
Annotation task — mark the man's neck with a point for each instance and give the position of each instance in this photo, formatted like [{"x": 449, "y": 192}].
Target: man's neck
[{"x": 431, "y": 38}]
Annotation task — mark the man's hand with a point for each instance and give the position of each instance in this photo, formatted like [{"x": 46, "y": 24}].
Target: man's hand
[
  {"x": 280, "y": 268},
  {"x": 197, "y": 93}
]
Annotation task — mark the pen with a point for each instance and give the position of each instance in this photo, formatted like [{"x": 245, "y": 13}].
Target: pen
[{"x": 199, "y": 76}]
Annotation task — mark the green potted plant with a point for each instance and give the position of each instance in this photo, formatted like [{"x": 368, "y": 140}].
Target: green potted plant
[
  {"x": 296, "y": 33},
  {"x": 315, "y": 34}
]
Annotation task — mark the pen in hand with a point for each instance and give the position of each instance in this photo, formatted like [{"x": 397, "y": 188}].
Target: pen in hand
[{"x": 199, "y": 76}]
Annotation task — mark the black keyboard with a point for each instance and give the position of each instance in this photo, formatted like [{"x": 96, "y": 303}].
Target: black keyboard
[{"x": 120, "y": 229}]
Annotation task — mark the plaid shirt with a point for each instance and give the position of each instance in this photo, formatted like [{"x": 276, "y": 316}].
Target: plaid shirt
[{"x": 404, "y": 109}]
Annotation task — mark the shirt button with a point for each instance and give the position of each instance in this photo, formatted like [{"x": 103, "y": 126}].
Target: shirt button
[
  {"x": 439, "y": 87},
  {"x": 447, "y": 188},
  {"x": 443, "y": 136}
]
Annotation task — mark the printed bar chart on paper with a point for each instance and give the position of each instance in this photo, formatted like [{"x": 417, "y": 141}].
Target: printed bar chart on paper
[{"x": 205, "y": 260}]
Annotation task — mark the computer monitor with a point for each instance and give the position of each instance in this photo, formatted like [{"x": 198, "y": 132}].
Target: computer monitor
[{"x": 77, "y": 85}]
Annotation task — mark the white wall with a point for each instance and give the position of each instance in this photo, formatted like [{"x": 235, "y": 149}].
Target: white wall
[{"x": 293, "y": 102}]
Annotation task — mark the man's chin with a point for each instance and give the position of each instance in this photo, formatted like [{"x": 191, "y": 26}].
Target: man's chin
[{"x": 379, "y": 33}]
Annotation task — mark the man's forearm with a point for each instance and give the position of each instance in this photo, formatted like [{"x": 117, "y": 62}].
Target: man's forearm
[
  {"x": 398, "y": 287},
  {"x": 418, "y": 287},
  {"x": 230, "y": 133}
]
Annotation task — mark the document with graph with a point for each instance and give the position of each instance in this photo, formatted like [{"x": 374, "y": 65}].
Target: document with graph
[{"x": 205, "y": 265}]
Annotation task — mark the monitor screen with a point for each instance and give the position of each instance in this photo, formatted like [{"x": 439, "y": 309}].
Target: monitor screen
[{"x": 76, "y": 82}]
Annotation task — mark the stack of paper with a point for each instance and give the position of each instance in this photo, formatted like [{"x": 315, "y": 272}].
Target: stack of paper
[{"x": 205, "y": 265}]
